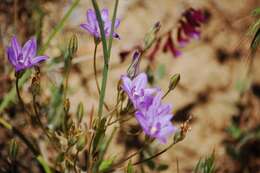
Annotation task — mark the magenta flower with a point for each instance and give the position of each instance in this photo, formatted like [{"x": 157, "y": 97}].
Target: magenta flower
[
  {"x": 92, "y": 24},
  {"x": 170, "y": 46},
  {"x": 137, "y": 91},
  {"x": 189, "y": 28},
  {"x": 23, "y": 57},
  {"x": 156, "y": 121}
]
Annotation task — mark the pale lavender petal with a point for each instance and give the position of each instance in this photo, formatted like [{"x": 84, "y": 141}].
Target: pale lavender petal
[
  {"x": 89, "y": 28},
  {"x": 38, "y": 59},
  {"x": 29, "y": 50},
  {"x": 105, "y": 14},
  {"x": 117, "y": 23},
  {"x": 157, "y": 100},
  {"x": 126, "y": 84},
  {"x": 140, "y": 81},
  {"x": 91, "y": 18},
  {"x": 16, "y": 46},
  {"x": 165, "y": 132},
  {"x": 143, "y": 122}
]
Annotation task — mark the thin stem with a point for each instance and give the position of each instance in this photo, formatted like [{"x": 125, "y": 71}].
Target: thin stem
[
  {"x": 20, "y": 98},
  {"x": 18, "y": 93},
  {"x": 95, "y": 67},
  {"x": 106, "y": 59},
  {"x": 119, "y": 119},
  {"x": 96, "y": 74},
  {"x": 106, "y": 52},
  {"x": 38, "y": 117},
  {"x": 155, "y": 155},
  {"x": 167, "y": 92},
  {"x": 112, "y": 27}
]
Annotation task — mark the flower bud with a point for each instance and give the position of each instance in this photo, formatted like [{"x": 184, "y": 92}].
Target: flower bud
[
  {"x": 35, "y": 86},
  {"x": 80, "y": 112},
  {"x": 66, "y": 105},
  {"x": 174, "y": 81},
  {"x": 133, "y": 69},
  {"x": 151, "y": 36},
  {"x": 73, "y": 45}
]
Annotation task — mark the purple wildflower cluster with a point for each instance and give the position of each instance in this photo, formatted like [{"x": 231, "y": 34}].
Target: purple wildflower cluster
[
  {"x": 153, "y": 116},
  {"x": 23, "y": 57},
  {"x": 92, "y": 24}
]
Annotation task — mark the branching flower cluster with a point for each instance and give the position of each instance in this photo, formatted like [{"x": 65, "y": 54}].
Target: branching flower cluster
[{"x": 154, "y": 116}]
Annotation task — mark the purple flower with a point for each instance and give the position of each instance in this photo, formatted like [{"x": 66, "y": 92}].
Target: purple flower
[
  {"x": 156, "y": 121},
  {"x": 153, "y": 116},
  {"x": 23, "y": 57},
  {"x": 137, "y": 92},
  {"x": 92, "y": 24}
]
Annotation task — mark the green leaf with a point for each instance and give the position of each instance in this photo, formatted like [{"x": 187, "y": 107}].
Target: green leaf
[
  {"x": 206, "y": 165},
  {"x": 105, "y": 165},
  {"x": 130, "y": 168}
]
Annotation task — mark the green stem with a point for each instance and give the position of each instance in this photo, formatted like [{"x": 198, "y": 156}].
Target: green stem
[
  {"x": 106, "y": 52},
  {"x": 95, "y": 67},
  {"x": 153, "y": 156},
  {"x": 106, "y": 59},
  {"x": 38, "y": 117}
]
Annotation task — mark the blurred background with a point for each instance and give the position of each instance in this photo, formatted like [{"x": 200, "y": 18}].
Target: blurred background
[{"x": 219, "y": 87}]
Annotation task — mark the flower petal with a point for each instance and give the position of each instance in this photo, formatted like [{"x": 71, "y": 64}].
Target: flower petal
[
  {"x": 91, "y": 18},
  {"x": 88, "y": 28},
  {"x": 11, "y": 55},
  {"x": 29, "y": 50},
  {"x": 105, "y": 14},
  {"x": 142, "y": 121},
  {"x": 38, "y": 59},
  {"x": 140, "y": 81},
  {"x": 117, "y": 23},
  {"x": 126, "y": 84},
  {"x": 16, "y": 46}
]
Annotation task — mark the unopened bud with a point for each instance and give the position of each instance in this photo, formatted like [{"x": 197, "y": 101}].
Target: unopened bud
[
  {"x": 73, "y": 45},
  {"x": 13, "y": 149},
  {"x": 174, "y": 81},
  {"x": 151, "y": 36},
  {"x": 133, "y": 69},
  {"x": 66, "y": 105},
  {"x": 80, "y": 111},
  {"x": 35, "y": 86}
]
